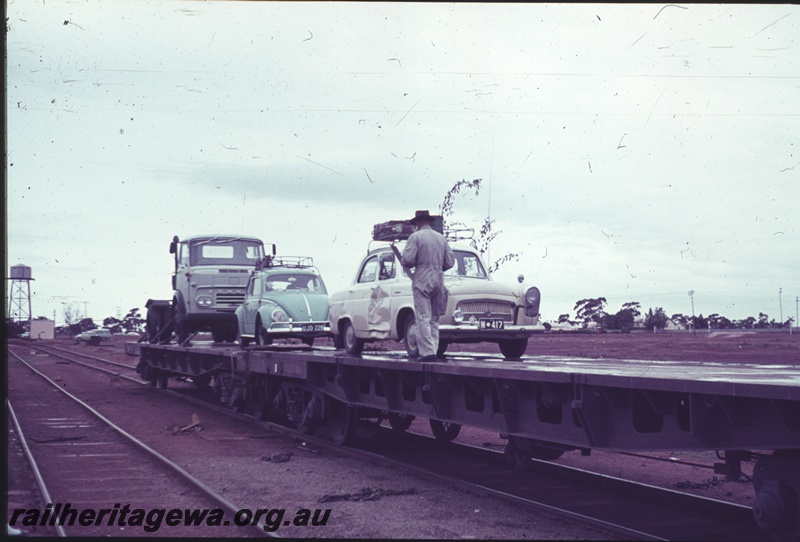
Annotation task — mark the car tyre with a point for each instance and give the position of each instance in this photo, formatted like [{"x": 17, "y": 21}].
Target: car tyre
[
  {"x": 352, "y": 344},
  {"x": 262, "y": 337},
  {"x": 243, "y": 341},
  {"x": 410, "y": 337}
]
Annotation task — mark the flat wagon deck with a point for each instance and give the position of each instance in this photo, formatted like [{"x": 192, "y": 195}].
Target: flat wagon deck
[{"x": 543, "y": 405}]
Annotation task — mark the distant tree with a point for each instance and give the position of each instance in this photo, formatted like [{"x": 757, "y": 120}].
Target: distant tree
[
  {"x": 13, "y": 328},
  {"x": 113, "y": 324},
  {"x": 70, "y": 315},
  {"x": 133, "y": 322},
  {"x": 486, "y": 233},
  {"x": 625, "y": 318},
  {"x": 590, "y": 310},
  {"x": 564, "y": 319},
  {"x": 698, "y": 322},
  {"x": 656, "y": 319},
  {"x": 763, "y": 321}
]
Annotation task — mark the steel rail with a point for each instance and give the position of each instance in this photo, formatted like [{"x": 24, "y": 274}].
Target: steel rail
[
  {"x": 191, "y": 480},
  {"x": 45, "y": 494}
]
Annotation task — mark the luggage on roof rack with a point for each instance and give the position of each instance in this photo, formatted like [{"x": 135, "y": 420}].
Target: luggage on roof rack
[
  {"x": 285, "y": 261},
  {"x": 400, "y": 230}
]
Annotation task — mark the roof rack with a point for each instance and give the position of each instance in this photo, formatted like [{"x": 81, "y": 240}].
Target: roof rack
[
  {"x": 284, "y": 261},
  {"x": 459, "y": 234}
]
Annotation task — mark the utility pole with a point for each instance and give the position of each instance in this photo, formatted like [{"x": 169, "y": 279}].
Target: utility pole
[
  {"x": 780, "y": 303},
  {"x": 796, "y": 303},
  {"x": 691, "y": 295}
]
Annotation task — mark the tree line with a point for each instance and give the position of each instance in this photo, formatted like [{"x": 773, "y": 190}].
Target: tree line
[{"x": 591, "y": 312}]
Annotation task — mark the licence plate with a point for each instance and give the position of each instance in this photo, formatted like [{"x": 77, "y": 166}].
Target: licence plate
[
  {"x": 491, "y": 323},
  {"x": 312, "y": 327}
]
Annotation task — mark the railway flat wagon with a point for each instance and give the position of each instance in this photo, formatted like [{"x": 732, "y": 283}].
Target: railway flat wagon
[{"x": 543, "y": 406}]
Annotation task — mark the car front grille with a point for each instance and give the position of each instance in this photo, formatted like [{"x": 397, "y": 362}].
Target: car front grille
[{"x": 487, "y": 309}]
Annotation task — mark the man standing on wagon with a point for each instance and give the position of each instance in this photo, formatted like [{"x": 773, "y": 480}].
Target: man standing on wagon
[{"x": 429, "y": 253}]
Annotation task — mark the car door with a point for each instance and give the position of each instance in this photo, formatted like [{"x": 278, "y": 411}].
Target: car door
[
  {"x": 359, "y": 293},
  {"x": 252, "y": 301},
  {"x": 395, "y": 286}
]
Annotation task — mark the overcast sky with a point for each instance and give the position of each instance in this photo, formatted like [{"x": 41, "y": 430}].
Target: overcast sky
[{"x": 633, "y": 152}]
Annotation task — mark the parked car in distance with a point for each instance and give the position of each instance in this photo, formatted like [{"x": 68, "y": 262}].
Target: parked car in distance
[
  {"x": 93, "y": 336},
  {"x": 378, "y": 305},
  {"x": 285, "y": 298}
]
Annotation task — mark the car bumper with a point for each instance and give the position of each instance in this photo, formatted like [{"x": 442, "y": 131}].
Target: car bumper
[
  {"x": 299, "y": 329},
  {"x": 471, "y": 332}
]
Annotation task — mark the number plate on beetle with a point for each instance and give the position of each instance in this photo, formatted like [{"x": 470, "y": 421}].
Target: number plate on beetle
[
  {"x": 312, "y": 327},
  {"x": 491, "y": 323}
]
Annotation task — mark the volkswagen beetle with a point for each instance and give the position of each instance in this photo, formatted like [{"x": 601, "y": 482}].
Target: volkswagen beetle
[{"x": 285, "y": 298}]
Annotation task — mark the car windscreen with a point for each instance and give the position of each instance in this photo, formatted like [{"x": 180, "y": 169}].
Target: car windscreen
[
  {"x": 225, "y": 252},
  {"x": 294, "y": 282},
  {"x": 468, "y": 264}
]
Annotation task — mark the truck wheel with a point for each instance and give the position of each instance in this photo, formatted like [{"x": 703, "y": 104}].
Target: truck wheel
[{"x": 181, "y": 329}]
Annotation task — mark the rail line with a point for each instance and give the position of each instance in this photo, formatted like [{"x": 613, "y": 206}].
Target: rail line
[
  {"x": 627, "y": 509},
  {"x": 105, "y": 469}
]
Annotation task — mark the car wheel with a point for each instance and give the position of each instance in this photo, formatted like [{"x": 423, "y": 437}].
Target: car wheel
[
  {"x": 308, "y": 342},
  {"x": 410, "y": 337},
  {"x": 338, "y": 341},
  {"x": 217, "y": 335},
  {"x": 243, "y": 341},
  {"x": 513, "y": 348},
  {"x": 262, "y": 337},
  {"x": 352, "y": 344}
]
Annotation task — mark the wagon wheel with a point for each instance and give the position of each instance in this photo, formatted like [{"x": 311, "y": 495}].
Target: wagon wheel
[
  {"x": 257, "y": 399},
  {"x": 400, "y": 422},
  {"x": 343, "y": 423},
  {"x": 513, "y": 348},
  {"x": 444, "y": 431}
]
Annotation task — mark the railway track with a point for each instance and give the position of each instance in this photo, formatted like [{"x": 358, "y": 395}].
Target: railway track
[
  {"x": 95, "y": 478},
  {"x": 627, "y": 509}
]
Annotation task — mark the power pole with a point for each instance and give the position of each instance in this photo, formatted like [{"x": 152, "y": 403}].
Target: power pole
[
  {"x": 691, "y": 295},
  {"x": 780, "y": 303}
]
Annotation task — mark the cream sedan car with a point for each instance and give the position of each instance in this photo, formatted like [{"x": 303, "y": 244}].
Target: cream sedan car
[{"x": 378, "y": 305}]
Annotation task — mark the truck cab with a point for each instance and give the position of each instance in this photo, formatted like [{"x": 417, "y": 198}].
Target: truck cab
[{"x": 209, "y": 282}]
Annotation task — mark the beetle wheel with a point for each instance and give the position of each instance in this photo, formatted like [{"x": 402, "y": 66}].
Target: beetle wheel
[{"x": 262, "y": 337}]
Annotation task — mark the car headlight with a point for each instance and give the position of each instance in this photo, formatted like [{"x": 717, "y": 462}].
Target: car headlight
[
  {"x": 205, "y": 301},
  {"x": 278, "y": 315},
  {"x": 458, "y": 316},
  {"x": 532, "y": 299}
]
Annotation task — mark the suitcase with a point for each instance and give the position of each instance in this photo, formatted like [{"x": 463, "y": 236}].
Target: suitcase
[{"x": 400, "y": 230}]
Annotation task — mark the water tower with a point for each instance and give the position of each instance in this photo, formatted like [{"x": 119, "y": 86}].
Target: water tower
[{"x": 19, "y": 294}]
